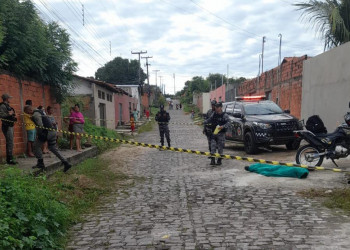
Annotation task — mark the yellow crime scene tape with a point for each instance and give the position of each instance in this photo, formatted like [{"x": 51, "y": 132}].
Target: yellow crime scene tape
[{"x": 189, "y": 151}]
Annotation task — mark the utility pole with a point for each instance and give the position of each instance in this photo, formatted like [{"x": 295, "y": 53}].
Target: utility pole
[
  {"x": 160, "y": 84},
  {"x": 149, "y": 87},
  {"x": 279, "y": 55},
  {"x": 110, "y": 48},
  {"x": 139, "y": 53},
  {"x": 174, "y": 84},
  {"x": 156, "y": 91},
  {"x": 82, "y": 10},
  {"x": 262, "y": 54},
  {"x": 227, "y": 74}
]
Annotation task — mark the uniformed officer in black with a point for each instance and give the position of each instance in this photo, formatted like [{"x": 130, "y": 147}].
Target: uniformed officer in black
[
  {"x": 207, "y": 129},
  {"x": 163, "y": 118},
  {"x": 220, "y": 119}
]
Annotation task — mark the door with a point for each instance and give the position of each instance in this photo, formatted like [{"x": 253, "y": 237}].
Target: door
[
  {"x": 237, "y": 123},
  {"x": 229, "y": 111},
  {"x": 120, "y": 113},
  {"x": 102, "y": 114}
]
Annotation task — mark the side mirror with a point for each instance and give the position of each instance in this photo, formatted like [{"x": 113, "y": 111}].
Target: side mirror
[
  {"x": 287, "y": 111},
  {"x": 237, "y": 115}
]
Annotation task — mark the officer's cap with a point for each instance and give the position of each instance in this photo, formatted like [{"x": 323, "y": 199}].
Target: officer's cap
[
  {"x": 218, "y": 104},
  {"x": 6, "y": 96},
  {"x": 213, "y": 102}
]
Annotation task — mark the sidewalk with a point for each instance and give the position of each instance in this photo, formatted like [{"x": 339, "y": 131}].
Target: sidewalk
[{"x": 53, "y": 164}]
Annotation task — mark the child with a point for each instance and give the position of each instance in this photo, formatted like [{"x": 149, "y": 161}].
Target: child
[
  {"x": 132, "y": 123},
  {"x": 147, "y": 114}
]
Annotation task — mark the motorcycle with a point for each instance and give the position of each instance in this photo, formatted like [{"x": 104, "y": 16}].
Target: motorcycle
[{"x": 332, "y": 146}]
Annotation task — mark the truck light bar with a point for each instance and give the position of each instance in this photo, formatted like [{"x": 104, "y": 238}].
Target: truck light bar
[{"x": 251, "y": 98}]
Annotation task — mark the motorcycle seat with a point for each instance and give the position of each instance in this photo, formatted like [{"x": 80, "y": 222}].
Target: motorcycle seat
[{"x": 330, "y": 136}]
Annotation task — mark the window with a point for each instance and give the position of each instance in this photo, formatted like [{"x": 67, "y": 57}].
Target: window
[
  {"x": 229, "y": 109},
  {"x": 109, "y": 97},
  {"x": 238, "y": 108},
  {"x": 103, "y": 95},
  {"x": 99, "y": 94}
]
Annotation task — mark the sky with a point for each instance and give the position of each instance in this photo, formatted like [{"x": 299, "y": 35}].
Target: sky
[{"x": 185, "y": 38}]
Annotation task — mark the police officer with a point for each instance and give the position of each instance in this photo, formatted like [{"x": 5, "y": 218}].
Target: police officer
[
  {"x": 8, "y": 113},
  {"x": 207, "y": 129},
  {"x": 163, "y": 117},
  {"x": 45, "y": 135},
  {"x": 219, "y": 120}
]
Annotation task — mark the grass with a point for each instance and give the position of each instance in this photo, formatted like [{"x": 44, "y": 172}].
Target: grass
[
  {"x": 337, "y": 199},
  {"x": 36, "y": 212},
  {"x": 148, "y": 126}
]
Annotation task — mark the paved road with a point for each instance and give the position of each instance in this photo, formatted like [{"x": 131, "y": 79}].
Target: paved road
[{"x": 184, "y": 203}]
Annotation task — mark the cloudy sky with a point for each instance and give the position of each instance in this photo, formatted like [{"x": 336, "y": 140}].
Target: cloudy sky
[{"x": 185, "y": 37}]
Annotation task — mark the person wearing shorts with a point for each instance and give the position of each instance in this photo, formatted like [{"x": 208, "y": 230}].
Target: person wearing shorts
[
  {"x": 78, "y": 125},
  {"x": 30, "y": 128}
]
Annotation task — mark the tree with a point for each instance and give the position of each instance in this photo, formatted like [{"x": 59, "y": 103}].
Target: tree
[
  {"x": 121, "y": 71},
  {"x": 33, "y": 48},
  {"x": 330, "y": 17}
]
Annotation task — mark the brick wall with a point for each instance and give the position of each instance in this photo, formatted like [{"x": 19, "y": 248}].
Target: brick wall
[
  {"x": 22, "y": 90},
  {"x": 284, "y": 84},
  {"x": 218, "y": 94}
]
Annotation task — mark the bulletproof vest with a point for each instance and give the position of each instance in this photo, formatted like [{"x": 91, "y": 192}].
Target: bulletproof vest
[
  {"x": 12, "y": 119},
  {"x": 218, "y": 119},
  {"x": 45, "y": 119},
  {"x": 163, "y": 116}
]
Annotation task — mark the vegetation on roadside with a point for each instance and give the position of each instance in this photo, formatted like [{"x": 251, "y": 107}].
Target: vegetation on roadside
[
  {"x": 36, "y": 212},
  {"x": 30, "y": 47},
  {"x": 146, "y": 127},
  {"x": 334, "y": 199}
]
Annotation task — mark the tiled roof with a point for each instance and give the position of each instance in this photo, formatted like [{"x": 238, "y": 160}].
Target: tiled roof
[{"x": 106, "y": 85}]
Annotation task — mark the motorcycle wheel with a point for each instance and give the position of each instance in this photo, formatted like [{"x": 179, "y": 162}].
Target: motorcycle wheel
[{"x": 302, "y": 159}]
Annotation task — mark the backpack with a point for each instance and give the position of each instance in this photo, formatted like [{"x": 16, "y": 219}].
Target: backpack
[
  {"x": 315, "y": 125},
  {"x": 45, "y": 119}
]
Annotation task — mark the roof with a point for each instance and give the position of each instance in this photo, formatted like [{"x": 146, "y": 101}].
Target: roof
[{"x": 111, "y": 87}]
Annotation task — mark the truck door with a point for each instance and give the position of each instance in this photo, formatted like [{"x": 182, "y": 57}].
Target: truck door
[
  {"x": 229, "y": 112},
  {"x": 237, "y": 123}
]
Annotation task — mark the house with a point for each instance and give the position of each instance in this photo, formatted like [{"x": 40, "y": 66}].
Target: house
[
  {"x": 134, "y": 91},
  {"x": 98, "y": 99},
  {"x": 125, "y": 103}
]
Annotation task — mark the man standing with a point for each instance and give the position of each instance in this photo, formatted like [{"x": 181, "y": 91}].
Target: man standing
[
  {"x": 218, "y": 121},
  {"x": 45, "y": 135},
  {"x": 163, "y": 117},
  {"x": 8, "y": 113},
  {"x": 29, "y": 126},
  {"x": 207, "y": 128}
]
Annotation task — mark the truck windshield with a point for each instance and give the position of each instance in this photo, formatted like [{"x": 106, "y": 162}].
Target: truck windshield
[{"x": 267, "y": 108}]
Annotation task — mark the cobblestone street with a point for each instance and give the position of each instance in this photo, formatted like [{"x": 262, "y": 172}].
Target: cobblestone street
[{"x": 184, "y": 203}]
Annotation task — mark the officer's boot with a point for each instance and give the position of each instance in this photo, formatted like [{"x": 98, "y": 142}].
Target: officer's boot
[
  {"x": 212, "y": 162},
  {"x": 169, "y": 144},
  {"x": 9, "y": 160},
  {"x": 67, "y": 166},
  {"x": 40, "y": 164},
  {"x": 219, "y": 162}
]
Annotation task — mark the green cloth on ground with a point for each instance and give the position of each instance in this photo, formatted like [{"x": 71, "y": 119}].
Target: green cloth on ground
[{"x": 278, "y": 170}]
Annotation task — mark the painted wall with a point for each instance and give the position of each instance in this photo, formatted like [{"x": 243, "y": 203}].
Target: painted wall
[
  {"x": 109, "y": 107},
  {"x": 134, "y": 91},
  {"x": 326, "y": 86},
  {"x": 125, "y": 101}
]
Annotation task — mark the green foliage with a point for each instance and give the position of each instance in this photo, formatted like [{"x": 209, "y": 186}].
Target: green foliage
[
  {"x": 91, "y": 129},
  {"x": 121, "y": 71},
  {"x": 35, "y": 212},
  {"x": 148, "y": 126},
  {"x": 330, "y": 17},
  {"x": 32, "y": 48},
  {"x": 30, "y": 217}
]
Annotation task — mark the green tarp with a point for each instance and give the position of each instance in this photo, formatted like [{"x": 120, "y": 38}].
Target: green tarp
[{"x": 278, "y": 170}]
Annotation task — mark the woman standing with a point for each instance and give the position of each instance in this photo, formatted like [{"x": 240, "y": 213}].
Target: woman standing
[
  {"x": 69, "y": 120},
  {"x": 78, "y": 125}
]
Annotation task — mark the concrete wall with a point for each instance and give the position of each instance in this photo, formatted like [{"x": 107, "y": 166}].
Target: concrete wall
[
  {"x": 206, "y": 102},
  {"x": 125, "y": 101},
  {"x": 134, "y": 91},
  {"x": 326, "y": 86}
]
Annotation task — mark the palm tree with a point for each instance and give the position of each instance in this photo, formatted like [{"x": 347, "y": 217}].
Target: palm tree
[{"x": 329, "y": 17}]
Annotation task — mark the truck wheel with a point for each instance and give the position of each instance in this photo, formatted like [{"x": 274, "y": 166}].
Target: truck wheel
[
  {"x": 293, "y": 144},
  {"x": 249, "y": 144}
]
